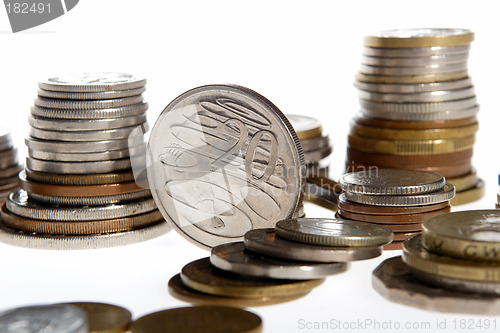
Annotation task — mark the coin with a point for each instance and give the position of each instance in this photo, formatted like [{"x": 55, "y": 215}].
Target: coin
[
  {"x": 86, "y": 104},
  {"x": 424, "y": 107},
  {"x": 402, "y": 236},
  {"x": 423, "y": 37},
  {"x": 305, "y": 127},
  {"x": 84, "y": 124},
  {"x": 266, "y": 242},
  {"x": 333, "y": 232},
  {"x": 76, "y": 147},
  {"x": 360, "y": 119},
  {"x": 465, "y": 234},
  {"x": 92, "y": 82},
  {"x": 315, "y": 156},
  {"x": 406, "y": 227},
  {"x": 232, "y": 257},
  {"x": 413, "y": 70},
  {"x": 91, "y": 95},
  {"x": 416, "y": 52},
  {"x": 416, "y": 88},
  {"x": 78, "y": 167},
  {"x": 88, "y": 136},
  {"x": 209, "y": 318},
  {"x": 394, "y": 280},
  {"x": 470, "y": 195},
  {"x": 464, "y": 182},
  {"x": 79, "y": 157},
  {"x": 79, "y": 180},
  {"x": 201, "y": 276},
  {"x": 423, "y": 116},
  {"x": 392, "y": 182},
  {"x": 416, "y": 256},
  {"x": 105, "y": 318},
  {"x": 393, "y": 246},
  {"x": 92, "y": 201},
  {"x": 317, "y": 143},
  {"x": 320, "y": 196},
  {"x": 433, "y": 96},
  {"x": 434, "y": 59},
  {"x": 178, "y": 290},
  {"x": 393, "y": 219},
  {"x": 224, "y": 160},
  {"x": 109, "y": 113},
  {"x": 410, "y": 79},
  {"x": 44, "y": 318}
]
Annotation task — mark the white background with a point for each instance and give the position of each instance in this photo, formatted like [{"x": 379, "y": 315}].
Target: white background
[{"x": 300, "y": 55}]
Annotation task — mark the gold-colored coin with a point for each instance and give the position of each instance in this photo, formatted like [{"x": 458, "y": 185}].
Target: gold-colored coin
[
  {"x": 419, "y": 38},
  {"x": 305, "y": 127},
  {"x": 464, "y": 182},
  {"x": 196, "y": 319},
  {"x": 471, "y": 234},
  {"x": 178, "y": 290},
  {"x": 413, "y": 147},
  {"x": 423, "y": 78},
  {"x": 470, "y": 195},
  {"x": 397, "y": 134},
  {"x": 79, "y": 180},
  {"x": 105, "y": 318},
  {"x": 201, "y": 276},
  {"x": 416, "y": 256}
]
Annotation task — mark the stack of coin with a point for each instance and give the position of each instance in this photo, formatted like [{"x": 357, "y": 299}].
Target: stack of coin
[
  {"x": 267, "y": 266},
  {"x": 400, "y": 200},
  {"x": 78, "y": 189},
  {"x": 418, "y": 107},
  {"x": 9, "y": 166}
]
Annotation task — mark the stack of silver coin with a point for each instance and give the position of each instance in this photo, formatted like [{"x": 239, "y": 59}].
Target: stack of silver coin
[
  {"x": 9, "y": 166},
  {"x": 418, "y": 107},
  {"x": 86, "y": 134}
]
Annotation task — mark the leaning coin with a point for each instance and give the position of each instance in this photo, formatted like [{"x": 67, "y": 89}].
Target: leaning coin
[
  {"x": 333, "y": 232},
  {"x": 44, "y": 318},
  {"x": 105, "y": 318},
  {"x": 209, "y": 318},
  {"x": 391, "y": 182},
  {"x": 91, "y": 95},
  {"x": 266, "y": 242},
  {"x": 416, "y": 256},
  {"x": 202, "y": 276},
  {"x": 471, "y": 234},
  {"x": 232, "y": 257},
  {"x": 238, "y": 151},
  {"x": 92, "y": 82}
]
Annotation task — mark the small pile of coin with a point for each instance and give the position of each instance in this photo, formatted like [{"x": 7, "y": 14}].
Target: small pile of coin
[
  {"x": 78, "y": 189},
  {"x": 9, "y": 166},
  {"x": 280, "y": 264},
  {"x": 400, "y": 200},
  {"x": 418, "y": 107}
]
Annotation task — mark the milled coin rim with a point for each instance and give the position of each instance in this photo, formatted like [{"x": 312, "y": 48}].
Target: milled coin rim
[{"x": 465, "y": 37}]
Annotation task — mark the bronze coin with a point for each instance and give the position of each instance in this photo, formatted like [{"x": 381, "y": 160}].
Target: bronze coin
[
  {"x": 446, "y": 171},
  {"x": 409, "y": 227},
  {"x": 394, "y": 219},
  {"x": 402, "y": 236},
  {"x": 394, "y": 246},
  {"x": 414, "y": 124}
]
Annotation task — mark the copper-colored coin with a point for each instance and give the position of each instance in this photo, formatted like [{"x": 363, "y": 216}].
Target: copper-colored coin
[
  {"x": 79, "y": 180},
  {"x": 105, "y": 318},
  {"x": 409, "y": 161},
  {"x": 423, "y": 78},
  {"x": 414, "y": 124},
  {"x": 394, "y": 246},
  {"x": 402, "y": 236},
  {"x": 446, "y": 171},
  {"x": 180, "y": 291},
  {"x": 79, "y": 227},
  {"x": 408, "y": 227},
  {"x": 76, "y": 191},
  {"x": 394, "y": 219}
]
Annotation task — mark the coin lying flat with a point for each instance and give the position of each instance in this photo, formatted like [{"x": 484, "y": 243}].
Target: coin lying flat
[
  {"x": 84, "y": 124},
  {"x": 78, "y": 180},
  {"x": 91, "y": 95},
  {"x": 109, "y": 113},
  {"x": 333, "y": 232},
  {"x": 412, "y": 70},
  {"x": 394, "y": 219},
  {"x": 76, "y": 147},
  {"x": 467, "y": 234},
  {"x": 87, "y": 136},
  {"x": 216, "y": 319},
  {"x": 266, "y": 242},
  {"x": 224, "y": 160},
  {"x": 413, "y": 117},
  {"x": 465, "y": 182},
  {"x": 462, "y": 50},
  {"x": 202, "y": 276},
  {"x": 44, "y": 318},
  {"x": 422, "y": 37},
  {"x": 434, "y": 59},
  {"x": 416, "y": 88},
  {"x": 232, "y": 257},
  {"x": 105, "y": 318},
  {"x": 305, "y": 127},
  {"x": 92, "y": 201},
  {"x": 414, "y": 125},
  {"x": 471, "y": 194},
  {"x": 92, "y": 82}
]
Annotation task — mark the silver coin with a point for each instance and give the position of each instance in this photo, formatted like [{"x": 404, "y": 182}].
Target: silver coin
[
  {"x": 302, "y": 123},
  {"x": 224, "y": 160},
  {"x": 91, "y": 95},
  {"x": 85, "y": 124},
  {"x": 21, "y": 204},
  {"x": 436, "y": 59},
  {"x": 49, "y": 242},
  {"x": 433, "y": 96},
  {"x": 8, "y": 158},
  {"x": 314, "y": 156},
  {"x": 92, "y": 201},
  {"x": 232, "y": 257},
  {"x": 76, "y": 147},
  {"x": 44, "y": 319},
  {"x": 394, "y": 88},
  {"x": 79, "y": 168},
  {"x": 416, "y": 52},
  {"x": 392, "y": 182},
  {"x": 420, "y": 70},
  {"x": 266, "y": 242},
  {"x": 90, "y": 136},
  {"x": 315, "y": 143},
  {"x": 5, "y": 135},
  {"x": 92, "y": 82},
  {"x": 442, "y": 195},
  {"x": 429, "y": 107},
  {"x": 87, "y": 105},
  {"x": 420, "y": 116},
  {"x": 6, "y": 145},
  {"x": 10, "y": 171},
  {"x": 111, "y": 113},
  {"x": 79, "y": 157}
]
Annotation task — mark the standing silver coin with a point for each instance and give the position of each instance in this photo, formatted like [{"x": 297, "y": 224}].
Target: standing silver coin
[
  {"x": 224, "y": 160},
  {"x": 44, "y": 318}
]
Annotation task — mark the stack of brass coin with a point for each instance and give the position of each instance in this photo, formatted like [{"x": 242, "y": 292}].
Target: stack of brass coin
[
  {"x": 9, "y": 166},
  {"x": 418, "y": 107},
  {"x": 400, "y": 200},
  {"x": 280, "y": 264},
  {"x": 78, "y": 186}
]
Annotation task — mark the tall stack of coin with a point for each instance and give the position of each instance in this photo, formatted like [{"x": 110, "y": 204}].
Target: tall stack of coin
[
  {"x": 400, "y": 200},
  {"x": 9, "y": 166},
  {"x": 418, "y": 107},
  {"x": 78, "y": 189}
]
